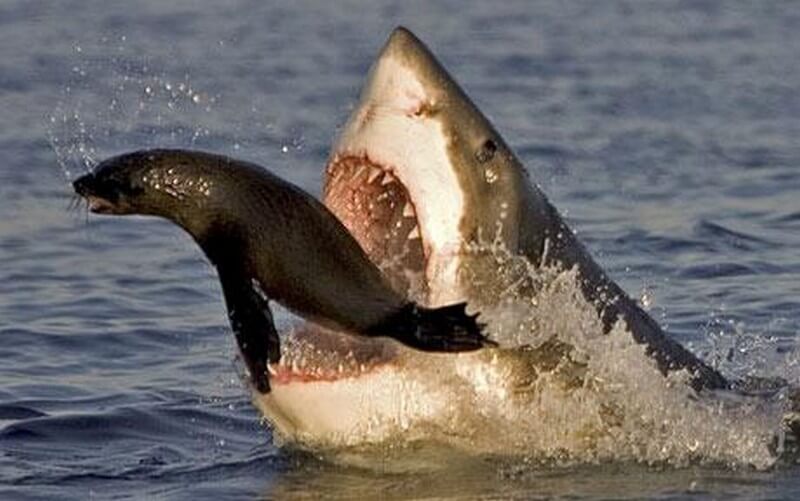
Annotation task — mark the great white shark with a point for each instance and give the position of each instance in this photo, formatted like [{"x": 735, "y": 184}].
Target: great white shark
[{"x": 422, "y": 179}]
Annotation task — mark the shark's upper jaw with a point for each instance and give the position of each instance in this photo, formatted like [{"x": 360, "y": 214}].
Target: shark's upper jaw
[
  {"x": 391, "y": 178},
  {"x": 378, "y": 211}
]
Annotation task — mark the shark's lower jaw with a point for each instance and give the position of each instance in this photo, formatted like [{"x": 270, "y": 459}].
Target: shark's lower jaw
[
  {"x": 311, "y": 353},
  {"x": 377, "y": 209},
  {"x": 333, "y": 389},
  {"x": 372, "y": 408}
]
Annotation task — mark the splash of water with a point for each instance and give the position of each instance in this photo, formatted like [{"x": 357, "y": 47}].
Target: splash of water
[
  {"x": 119, "y": 102},
  {"x": 575, "y": 395}
]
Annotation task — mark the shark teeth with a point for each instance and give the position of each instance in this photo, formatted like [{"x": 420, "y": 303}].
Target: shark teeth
[
  {"x": 359, "y": 170},
  {"x": 376, "y": 207},
  {"x": 303, "y": 360},
  {"x": 373, "y": 174}
]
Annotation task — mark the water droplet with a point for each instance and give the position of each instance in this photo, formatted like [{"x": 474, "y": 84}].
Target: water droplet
[
  {"x": 490, "y": 175},
  {"x": 646, "y": 299}
]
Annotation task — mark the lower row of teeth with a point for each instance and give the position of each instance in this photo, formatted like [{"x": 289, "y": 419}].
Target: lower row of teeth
[{"x": 319, "y": 363}]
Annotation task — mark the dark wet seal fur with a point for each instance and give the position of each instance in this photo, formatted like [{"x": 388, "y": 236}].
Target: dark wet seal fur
[{"x": 269, "y": 240}]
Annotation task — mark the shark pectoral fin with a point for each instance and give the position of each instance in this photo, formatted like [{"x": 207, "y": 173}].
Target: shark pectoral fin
[
  {"x": 251, "y": 321},
  {"x": 445, "y": 329}
]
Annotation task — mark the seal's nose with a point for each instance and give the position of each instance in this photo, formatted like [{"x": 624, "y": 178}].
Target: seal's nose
[{"x": 82, "y": 185}]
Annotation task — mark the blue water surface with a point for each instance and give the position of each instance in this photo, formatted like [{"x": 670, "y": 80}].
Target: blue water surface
[{"x": 666, "y": 132}]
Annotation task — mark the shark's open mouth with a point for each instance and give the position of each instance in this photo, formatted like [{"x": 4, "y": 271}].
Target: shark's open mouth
[
  {"x": 391, "y": 181},
  {"x": 377, "y": 209}
]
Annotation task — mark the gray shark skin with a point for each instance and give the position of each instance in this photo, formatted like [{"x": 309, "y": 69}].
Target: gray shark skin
[{"x": 462, "y": 184}]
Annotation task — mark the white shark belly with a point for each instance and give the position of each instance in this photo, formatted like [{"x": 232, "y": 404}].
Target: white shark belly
[
  {"x": 355, "y": 410},
  {"x": 417, "y": 396}
]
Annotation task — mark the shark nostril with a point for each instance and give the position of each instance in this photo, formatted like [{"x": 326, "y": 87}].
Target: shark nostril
[{"x": 486, "y": 151}]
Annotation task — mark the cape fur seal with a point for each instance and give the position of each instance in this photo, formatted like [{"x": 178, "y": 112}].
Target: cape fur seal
[{"x": 269, "y": 240}]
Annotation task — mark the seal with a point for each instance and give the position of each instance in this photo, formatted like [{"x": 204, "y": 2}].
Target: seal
[{"x": 269, "y": 240}]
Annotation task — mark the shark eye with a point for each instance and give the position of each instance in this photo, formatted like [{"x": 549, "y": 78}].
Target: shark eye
[{"x": 486, "y": 151}]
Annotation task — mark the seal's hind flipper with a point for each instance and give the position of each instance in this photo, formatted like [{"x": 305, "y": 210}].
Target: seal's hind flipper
[
  {"x": 447, "y": 329},
  {"x": 251, "y": 321}
]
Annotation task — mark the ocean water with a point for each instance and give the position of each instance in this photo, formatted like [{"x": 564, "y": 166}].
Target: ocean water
[{"x": 666, "y": 132}]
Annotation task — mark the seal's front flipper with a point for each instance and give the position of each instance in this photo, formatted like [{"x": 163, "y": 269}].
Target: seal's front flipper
[
  {"x": 251, "y": 321},
  {"x": 446, "y": 329}
]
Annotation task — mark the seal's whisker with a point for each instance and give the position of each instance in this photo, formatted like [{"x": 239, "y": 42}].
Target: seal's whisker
[
  {"x": 71, "y": 203},
  {"x": 78, "y": 205},
  {"x": 75, "y": 203}
]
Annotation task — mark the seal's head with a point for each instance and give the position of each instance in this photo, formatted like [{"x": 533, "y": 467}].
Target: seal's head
[
  {"x": 111, "y": 189},
  {"x": 177, "y": 185},
  {"x": 152, "y": 182}
]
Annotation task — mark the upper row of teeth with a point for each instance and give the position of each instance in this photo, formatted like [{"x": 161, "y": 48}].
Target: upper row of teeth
[
  {"x": 375, "y": 173},
  {"x": 408, "y": 210},
  {"x": 387, "y": 178}
]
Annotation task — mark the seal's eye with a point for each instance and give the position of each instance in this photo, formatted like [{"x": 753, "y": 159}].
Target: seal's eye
[
  {"x": 486, "y": 151},
  {"x": 123, "y": 187}
]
